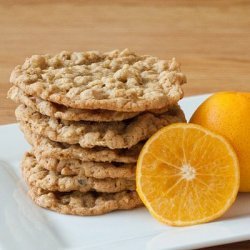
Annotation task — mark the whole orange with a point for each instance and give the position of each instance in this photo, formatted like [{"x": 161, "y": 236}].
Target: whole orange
[{"x": 228, "y": 114}]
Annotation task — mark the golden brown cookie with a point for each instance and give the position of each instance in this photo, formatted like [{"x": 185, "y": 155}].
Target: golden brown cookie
[
  {"x": 66, "y": 113},
  {"x": 70, "y": 114},
  {"x": 114, "y": 135},
  {"x": 98, "y": 170},
  {"x": 45, "y": 148},
  {"x": 91, "y": 203},
  {"x": 36, "y": 175},
  {"x": 116, "y": 80}
]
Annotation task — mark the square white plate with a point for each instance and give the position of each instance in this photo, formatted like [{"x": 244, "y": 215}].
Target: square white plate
[{"x": 25, "y": 226}]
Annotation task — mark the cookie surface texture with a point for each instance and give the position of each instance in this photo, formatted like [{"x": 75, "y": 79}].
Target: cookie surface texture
[
  {"x": 91, "y": 203},
  {"x": 36, "y": 175},
  {"x": 45, "y": 148},
  {"x": 99, "y": 170},
  {"x": 116, "y": 80},
  {"x": 123, "y": 134}
]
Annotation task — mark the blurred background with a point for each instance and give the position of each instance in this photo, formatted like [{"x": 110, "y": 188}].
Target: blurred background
[{"x": 211, "y": 39}]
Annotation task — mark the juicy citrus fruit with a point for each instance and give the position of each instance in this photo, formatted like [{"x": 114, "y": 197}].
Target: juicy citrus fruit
[
  {"x": 187, "y": 175},
  {"x": 228, "y": 114}
]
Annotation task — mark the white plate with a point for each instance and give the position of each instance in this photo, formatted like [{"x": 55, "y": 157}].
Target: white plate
[{"x": 25, "y": 226}]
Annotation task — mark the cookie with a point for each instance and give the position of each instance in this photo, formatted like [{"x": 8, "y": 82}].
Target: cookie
[
  {"x": 98, "y": 170},
  {"x": 45, "y": 148},
  {"x": 91, "y": 203},
  {"x": 117, "y": 80},
  {"x": 36, "y": 175},
  {"x": 59, "y": 111},
  {"x": 62, "y": 112},
  {"x": 123, "y": 134}
]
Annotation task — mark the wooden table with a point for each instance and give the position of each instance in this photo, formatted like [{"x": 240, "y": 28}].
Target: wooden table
[{"x": 210, "y": 38}]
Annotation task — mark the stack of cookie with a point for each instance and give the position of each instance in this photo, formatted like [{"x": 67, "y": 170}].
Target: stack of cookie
[{"x": 87, "y": 115}]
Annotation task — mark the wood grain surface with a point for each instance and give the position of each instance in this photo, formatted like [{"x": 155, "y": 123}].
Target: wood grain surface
[{"x": 210, "y": 38}]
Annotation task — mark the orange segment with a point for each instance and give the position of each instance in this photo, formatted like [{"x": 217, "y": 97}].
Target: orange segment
[{"x": 187, "y": 175}]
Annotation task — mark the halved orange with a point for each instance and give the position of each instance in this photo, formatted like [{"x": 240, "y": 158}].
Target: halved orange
[{"x": 187, "y": 175}]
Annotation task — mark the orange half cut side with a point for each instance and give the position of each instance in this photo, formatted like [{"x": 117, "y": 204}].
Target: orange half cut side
[{"x": 187, "y": 175}]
